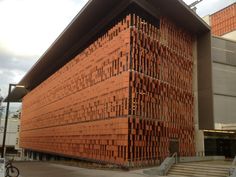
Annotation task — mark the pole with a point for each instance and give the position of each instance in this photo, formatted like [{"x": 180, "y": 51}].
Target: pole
[{"x": 5, "y": 127}]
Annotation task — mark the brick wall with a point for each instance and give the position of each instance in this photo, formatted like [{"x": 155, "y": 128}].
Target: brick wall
[
  {"x": 224, "y": 21},
  {"x": 122, "y": 100}
]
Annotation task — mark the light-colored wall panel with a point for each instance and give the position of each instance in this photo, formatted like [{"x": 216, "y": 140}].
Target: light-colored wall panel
[
  {"x": 223, "y": 51},
  {"x": 225, "y": 109},
  {"x": 224, "y": 79}
]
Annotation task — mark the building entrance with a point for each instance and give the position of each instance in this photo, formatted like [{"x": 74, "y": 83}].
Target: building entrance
[{"x": 222, "y": 144}]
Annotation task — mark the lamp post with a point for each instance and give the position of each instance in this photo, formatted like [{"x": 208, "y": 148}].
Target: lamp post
[{"x": 6, "y": 117}]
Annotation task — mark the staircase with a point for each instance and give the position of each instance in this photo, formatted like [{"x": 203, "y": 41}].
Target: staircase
[{"x": 198, "y": 169}]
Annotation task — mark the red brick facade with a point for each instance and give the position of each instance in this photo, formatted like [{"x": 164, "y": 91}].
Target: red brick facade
[
  {"x": 119, "y": 101},
  {"x": 224, "y": 21}
]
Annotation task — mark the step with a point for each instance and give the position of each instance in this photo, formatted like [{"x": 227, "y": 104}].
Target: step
[
  {"x": 193, "y": 171},
  {"x": 178, "y": 176},
  {"x": 198, "y": 172},
  {"x": 203, "y": 165},
  {"x": 195, "y": 174},
  {"x": 200, "y": 168},
  {"x": 175, "y": 175}
]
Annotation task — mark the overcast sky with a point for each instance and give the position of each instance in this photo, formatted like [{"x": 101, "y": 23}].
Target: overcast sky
[{"x": 28, "y": 27}]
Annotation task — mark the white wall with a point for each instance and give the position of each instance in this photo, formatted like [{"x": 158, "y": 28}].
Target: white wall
[
  {"x": 207, "y": 19},
  {"x": 12, "y": 131},
  {"x": 230, "y": 36}
]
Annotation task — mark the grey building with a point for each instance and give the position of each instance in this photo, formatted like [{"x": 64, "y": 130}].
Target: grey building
[
  {"x": 221, "y": 140},
  {"x": 224, "y": 83}
]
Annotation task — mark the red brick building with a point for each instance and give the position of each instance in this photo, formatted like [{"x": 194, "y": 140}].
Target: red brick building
[
  {"x": 224, "y": 21},
  {"x": 118, "y": 85}
]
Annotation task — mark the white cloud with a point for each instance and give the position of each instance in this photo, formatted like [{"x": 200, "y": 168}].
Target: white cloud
[
  {"x": 207, "y": 7},
  {"x": 189, "y": 1},
  {"x": 9, "y": 76},
  {"x": 30, "y": 26}
]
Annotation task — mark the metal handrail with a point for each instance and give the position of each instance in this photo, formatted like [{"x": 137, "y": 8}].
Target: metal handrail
[
  {"x": 165, "y": 166},
  {"x": 172, "y": 160},
  {"x": 175, "y": 155},
  {"x": 232, "y": 170},
  {"x": 200, "y": 153}
]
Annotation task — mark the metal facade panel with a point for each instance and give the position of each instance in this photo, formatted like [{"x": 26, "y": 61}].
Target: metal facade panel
[
  {"x": 224, "y": 79},
  {"x": 224, "y": 109},
  {"x": 223, "y": 51}
]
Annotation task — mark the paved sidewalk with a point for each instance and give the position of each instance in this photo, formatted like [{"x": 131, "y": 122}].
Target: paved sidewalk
[{"x": 44, "y": 169}]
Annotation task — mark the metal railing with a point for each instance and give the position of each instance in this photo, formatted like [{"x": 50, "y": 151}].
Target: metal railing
[
  {"x": 165, "y": 166},
  {"x": 232, "y": 170},
  {"x": 175, "y": 156},
  {"x": 200, "y": 153},
  {"x": 168, "y": 163}
]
